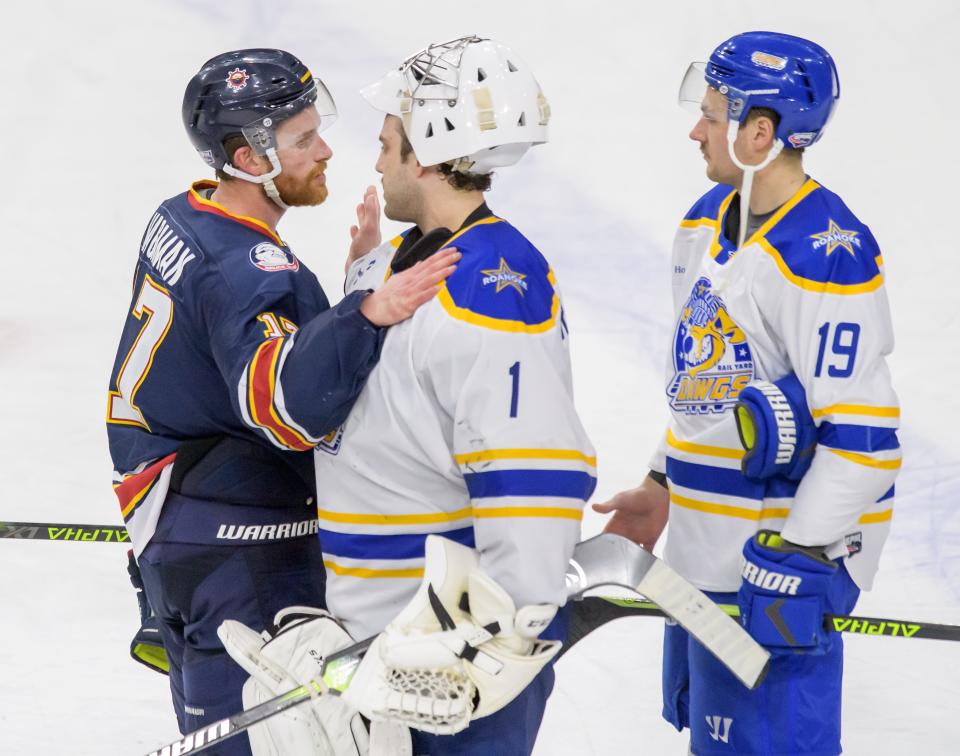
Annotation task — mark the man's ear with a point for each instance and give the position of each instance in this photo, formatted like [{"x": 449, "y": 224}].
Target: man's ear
[
  {"x": 765, "y": 133},
  {"x": 248, "y": 161},
  {"x": 421, "y": 170}
]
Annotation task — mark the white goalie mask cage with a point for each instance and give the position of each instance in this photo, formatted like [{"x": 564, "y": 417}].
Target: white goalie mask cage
[{"x": 470, "y": 101}]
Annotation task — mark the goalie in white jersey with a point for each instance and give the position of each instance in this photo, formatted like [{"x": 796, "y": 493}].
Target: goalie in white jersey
[
  {"x": 467, "y": 429},
  {"x": 782, "y": 328}
]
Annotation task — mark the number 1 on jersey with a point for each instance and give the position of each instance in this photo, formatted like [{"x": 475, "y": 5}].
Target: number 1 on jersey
[
  {"x": 155, "y": 302},
  {"x": 515, "y": 391}
]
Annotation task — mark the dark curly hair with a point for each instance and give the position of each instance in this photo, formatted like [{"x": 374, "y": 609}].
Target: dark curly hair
[{"x": 466, "y": 182}]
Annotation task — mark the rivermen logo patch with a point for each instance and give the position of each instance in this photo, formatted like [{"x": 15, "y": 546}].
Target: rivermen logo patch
[
  {"x": 504, "y": 278},
  {"x": 271, "y": 258},
  {"x": 835, "y": 237},
  {"x": 711, "y": 356},
  {"x": 237, "y": 79}
]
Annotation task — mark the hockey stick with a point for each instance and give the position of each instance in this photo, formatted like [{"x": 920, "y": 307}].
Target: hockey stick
[
  {"x": 592, "y": 612},
  {"x": 52, "y": 531},
  {"x": 605, "y": 560}
]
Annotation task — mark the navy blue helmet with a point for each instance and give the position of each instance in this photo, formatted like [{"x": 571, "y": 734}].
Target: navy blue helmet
[{"x": 249, "y": 93}]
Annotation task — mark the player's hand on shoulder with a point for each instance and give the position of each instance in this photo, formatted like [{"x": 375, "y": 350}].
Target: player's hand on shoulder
[
  {"x": 365, "y": 236},
  {"x": 639, "y": 514},
  {"x": 404, "y": 292}
]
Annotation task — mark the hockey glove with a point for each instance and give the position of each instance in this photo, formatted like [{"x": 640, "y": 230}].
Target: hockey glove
[
  {"x": 146, "y": 646},
  {"x": 282, "y": 658},
  {"x": 785, "y": 593},
  {"x": 776, "y": 428}
]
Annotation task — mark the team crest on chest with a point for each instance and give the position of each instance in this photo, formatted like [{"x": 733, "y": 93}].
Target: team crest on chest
[
  {"x": 271, "y": 258},
  {"x": 711, "y": 355}
]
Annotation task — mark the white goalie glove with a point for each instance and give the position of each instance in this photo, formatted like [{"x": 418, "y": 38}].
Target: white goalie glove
[
  {"x": 287, "y": 658},
  {"x": 459, "y": 650}
]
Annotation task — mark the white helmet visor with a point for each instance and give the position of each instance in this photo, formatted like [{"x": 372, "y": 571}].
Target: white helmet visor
[{"x": 693, "y": 87}]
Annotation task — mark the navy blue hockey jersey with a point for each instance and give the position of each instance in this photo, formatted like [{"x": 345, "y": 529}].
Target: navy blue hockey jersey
[{"x": 229, "y": 335}]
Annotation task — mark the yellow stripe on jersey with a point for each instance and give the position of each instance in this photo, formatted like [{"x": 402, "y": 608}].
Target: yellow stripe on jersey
[
  {"x": 426, "y": 518},
  {"x": 554, "y": 512},
  {"x": 875, "y": 517},
  {"x": 808, "y": 186},
  {"x": 745, "y": 513},
  {"x": 366, "y": 572},
  {"x": 856, "y": 409},
  {"x": 138, "y": 497},
  {"x": 512, "y": 326},
  {"x": 727, "y": 510},
  {"x": 713, "y": 223},
  {"x": 492, "y": 454},
  {"x": 824, "y": 287},
  {"x": 863, "y": 459},
  {"x": 712, "y": 451}
]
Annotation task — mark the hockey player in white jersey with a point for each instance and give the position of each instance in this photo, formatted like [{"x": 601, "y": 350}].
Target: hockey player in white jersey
[
  {"x": 782, "y": 328},
  {"x": 466, "y": 430}
]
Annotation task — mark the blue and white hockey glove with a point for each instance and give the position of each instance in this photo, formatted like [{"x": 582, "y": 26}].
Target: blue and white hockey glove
[
  {"x": 146, "y": 646},
  {"x": 784, "y": 594},
  {"x": 776, "y": 428}
]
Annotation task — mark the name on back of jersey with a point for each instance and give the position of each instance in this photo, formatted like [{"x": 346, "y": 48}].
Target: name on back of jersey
[{"x": 166, "y": 252}]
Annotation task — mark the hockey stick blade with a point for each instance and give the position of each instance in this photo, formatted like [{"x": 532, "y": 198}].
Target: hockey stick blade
[
  {"x": 610, "y": 559},
  {"x": 604, "y": 560},
  {"x": 592, "y": 612},
  {"x": 56, "y": 531}
]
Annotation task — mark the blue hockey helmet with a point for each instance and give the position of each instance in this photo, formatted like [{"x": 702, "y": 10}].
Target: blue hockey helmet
[
  {"x": 794, "y": 77},
  {"x": 249, "y": 93}
]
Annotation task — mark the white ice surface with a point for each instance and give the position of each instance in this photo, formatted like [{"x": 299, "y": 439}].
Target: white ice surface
[{"x": 93, "y": 141}]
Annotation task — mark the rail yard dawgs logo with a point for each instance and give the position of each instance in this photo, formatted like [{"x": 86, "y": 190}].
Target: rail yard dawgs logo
[
  {"x": 237, "y": 79},
  {"x": 271, "y": 258},
  {"x": 711, "y": 356}
]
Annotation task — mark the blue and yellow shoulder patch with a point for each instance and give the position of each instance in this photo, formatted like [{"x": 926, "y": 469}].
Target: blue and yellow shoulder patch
[
  {"x": 501, "y": 282},
  {"x": 819, "y": 245}
]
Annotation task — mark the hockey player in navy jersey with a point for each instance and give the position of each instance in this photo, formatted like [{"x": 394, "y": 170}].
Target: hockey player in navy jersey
[
  {"x": 776, "y": 471},
  {"x": 231, "y": 368},
  {"x": 466, "y": 429}
]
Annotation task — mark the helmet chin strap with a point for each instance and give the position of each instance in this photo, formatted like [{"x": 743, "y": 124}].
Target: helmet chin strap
[
  {"x": 266, "y": 180},
  {"x": 746, "y": 186}
]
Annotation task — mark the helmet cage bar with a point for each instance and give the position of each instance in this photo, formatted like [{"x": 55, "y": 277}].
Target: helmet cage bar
[{"x": 438, "y": 65}]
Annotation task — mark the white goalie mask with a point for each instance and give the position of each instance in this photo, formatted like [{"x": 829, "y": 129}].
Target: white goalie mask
[{"x": 470, "y": 101}]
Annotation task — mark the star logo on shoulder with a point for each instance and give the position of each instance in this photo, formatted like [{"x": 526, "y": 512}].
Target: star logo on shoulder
[
  {"x": 503, "y": 277},
  {"x": 835, "y": 237}
]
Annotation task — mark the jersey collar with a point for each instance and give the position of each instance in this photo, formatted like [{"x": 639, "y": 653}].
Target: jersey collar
[{"x": 199, "y": 202}]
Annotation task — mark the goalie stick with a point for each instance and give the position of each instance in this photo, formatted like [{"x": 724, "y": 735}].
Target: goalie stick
[{"x": 604, "y": 560}]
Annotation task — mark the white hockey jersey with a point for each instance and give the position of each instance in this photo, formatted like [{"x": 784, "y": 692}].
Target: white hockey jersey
[
  {"x": 466, "y": 428},
  {"x": 804, "y": 294}
]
